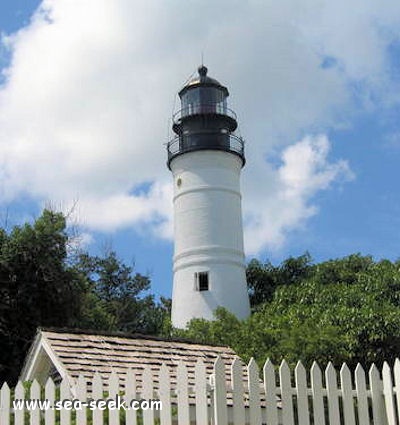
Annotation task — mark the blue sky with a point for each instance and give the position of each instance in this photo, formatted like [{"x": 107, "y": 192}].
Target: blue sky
[{"x": 88, "y": 89}]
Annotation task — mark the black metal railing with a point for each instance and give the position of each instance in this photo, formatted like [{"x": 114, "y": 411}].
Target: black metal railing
[
  {"x": 187, "y": 143},
  {"x": 201, "y": 109}
]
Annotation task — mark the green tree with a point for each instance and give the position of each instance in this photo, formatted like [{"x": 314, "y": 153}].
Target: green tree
[
  {"x": 264, "y": 278},
  {"x": 343, "y": 310},
  {"x": 41, "y": 285},
  {"x": 119, "y": 298},
  {"x": 37, "y": 288}
]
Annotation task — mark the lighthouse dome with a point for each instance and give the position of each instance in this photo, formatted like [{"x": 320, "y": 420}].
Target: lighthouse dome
[{"x": 202, "y": 79}]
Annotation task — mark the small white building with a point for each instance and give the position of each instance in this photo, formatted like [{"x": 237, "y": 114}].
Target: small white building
[{"x": 67, "y": 354}]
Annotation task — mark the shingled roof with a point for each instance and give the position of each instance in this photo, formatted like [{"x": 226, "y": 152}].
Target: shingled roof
[{"x": 68, "y": 354}]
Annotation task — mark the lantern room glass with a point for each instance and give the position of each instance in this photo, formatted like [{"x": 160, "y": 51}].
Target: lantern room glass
[{"x": 200, "y": 100}]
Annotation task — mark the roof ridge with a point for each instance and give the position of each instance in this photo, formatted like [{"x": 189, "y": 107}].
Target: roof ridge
[{"x": 77, "y": 331}]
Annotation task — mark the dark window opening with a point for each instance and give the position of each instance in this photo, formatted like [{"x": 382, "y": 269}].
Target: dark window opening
[{"x": 202, "y": 283}]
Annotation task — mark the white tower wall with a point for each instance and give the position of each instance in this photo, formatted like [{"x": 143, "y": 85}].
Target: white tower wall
[{"x": 208, "y": 235}]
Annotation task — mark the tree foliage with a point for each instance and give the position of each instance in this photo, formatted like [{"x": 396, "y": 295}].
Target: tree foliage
[
  {"x": 117, "y": 292},
  {"x": 36, "y": 286},
  {"x": 263, "y": 279},
  {"x": 41, "y": 287},
  {"x": 343, "y": 310}
]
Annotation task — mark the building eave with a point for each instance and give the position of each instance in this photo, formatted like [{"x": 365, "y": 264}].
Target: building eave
[
  {"x": 41, "y": 347},
  {"x": 31, "y": 358}
]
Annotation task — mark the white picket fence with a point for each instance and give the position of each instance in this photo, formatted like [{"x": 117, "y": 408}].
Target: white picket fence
[{"x": 276, "y": 398}]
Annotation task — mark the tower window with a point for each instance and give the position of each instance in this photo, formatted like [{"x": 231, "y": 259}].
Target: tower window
[{"x": 201, "y": 281}]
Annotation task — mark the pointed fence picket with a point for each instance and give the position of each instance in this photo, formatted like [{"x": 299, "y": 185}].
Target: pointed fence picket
[
  {"x": 35, "y": 395},
  {"x": 302, "y": 396},
  {"x": 19, "y": 395},
  {"x": 220, "y": 400},
  {"x": 81, "y": 392},
  {"x": 200, "y": 390},
  {"x": 317, "y": 395},
  {"x": 388, "y": 394},
  {"x": 49, "y": 394},
  {"x": 5, "y": 402},
  {"x": 130, "y": 395},
  {"x": 286, "y": 394},
  {"x": 347, "y": 396},
  {"x": 183, "y": 394},
  {"x": 378, "y": 407},
  {"x": 113, "y": 392},
  {"x": 333, "y": 396},
  {"x": 97, "y": 394},
  {"x": 362, "y": 395},
  {"x": 65, "y": 394},
  {"x": 234, "y": 396},
  {"x": 254, "y": 393},
  {"x": 270, "y": 393},
  {"x": 165, "y": 396},
  {"x": 237, "y": 392},
  {"x": 147, "y": 394}
]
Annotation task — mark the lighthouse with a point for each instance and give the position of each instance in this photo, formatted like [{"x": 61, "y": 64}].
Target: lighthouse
[{"x": 206, "y": 159}]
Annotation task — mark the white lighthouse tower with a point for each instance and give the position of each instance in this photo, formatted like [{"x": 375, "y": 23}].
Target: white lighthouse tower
[{"x": 206, "y": 159}]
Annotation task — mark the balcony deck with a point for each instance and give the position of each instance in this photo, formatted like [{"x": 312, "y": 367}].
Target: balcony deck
[{"x": 222, "y": 142}]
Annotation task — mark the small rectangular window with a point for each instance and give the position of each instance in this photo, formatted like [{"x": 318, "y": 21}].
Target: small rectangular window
[{"x": 201, "y": 281}]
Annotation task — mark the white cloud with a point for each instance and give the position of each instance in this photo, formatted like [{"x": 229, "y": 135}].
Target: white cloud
[
  {"x": 284, "y": 201},
  {"x": 85, "y": 107},
  {"x": 151, "y": 210}
]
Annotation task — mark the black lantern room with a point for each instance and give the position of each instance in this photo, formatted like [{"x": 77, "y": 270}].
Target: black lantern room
[{"x": 204, "y": 121}]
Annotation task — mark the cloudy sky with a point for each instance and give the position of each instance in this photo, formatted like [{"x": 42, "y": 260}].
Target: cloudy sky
[{"x": 88, "y": 87}]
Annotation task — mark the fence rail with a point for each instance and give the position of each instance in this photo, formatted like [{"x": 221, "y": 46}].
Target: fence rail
[{"x": 278, "y": 397}]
